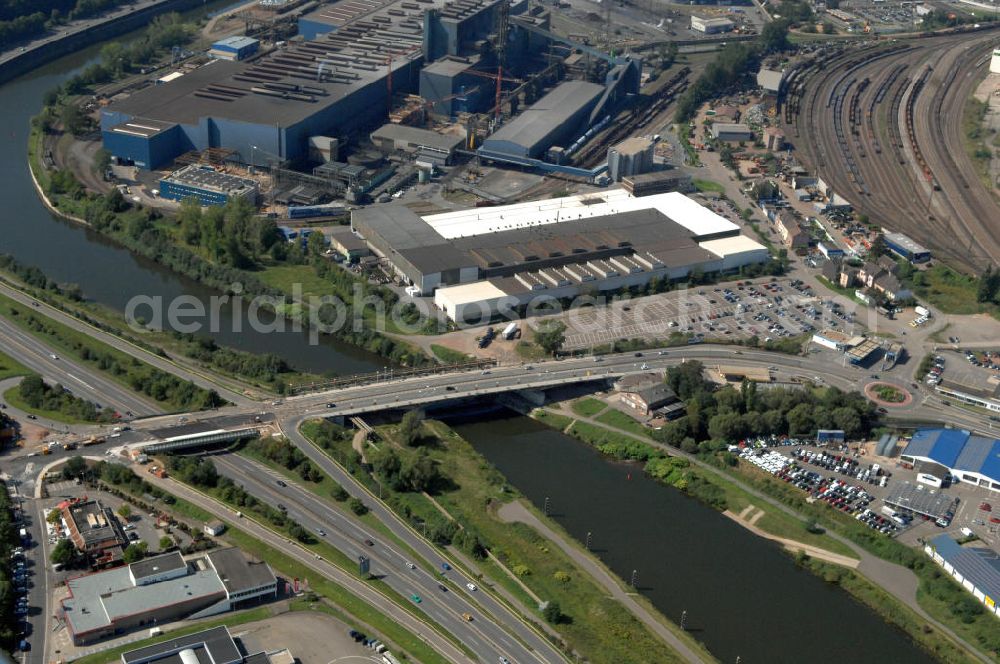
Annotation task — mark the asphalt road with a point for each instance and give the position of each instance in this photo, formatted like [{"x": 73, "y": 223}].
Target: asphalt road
[
  {"x": 483, "y": 636},
  {"x": 178, "y": 368},
  {"x": 83, "y": 381}
]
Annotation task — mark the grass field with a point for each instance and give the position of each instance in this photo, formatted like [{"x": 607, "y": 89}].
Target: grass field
[
  {"x": 588, "y": 406},
  {"x": 13, "y": 397},
  {"x": 620, "y": 420},
  {"x": 449, "y": 355},
  {"x": 9, "y": 367},
  {"x": 708, "y": 185}
]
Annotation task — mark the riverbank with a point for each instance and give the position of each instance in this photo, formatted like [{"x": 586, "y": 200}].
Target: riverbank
[
  {"x": 460, "y": 508},
  {"x": 120, "y": 20},
  {"x": 891, "y": 607}
]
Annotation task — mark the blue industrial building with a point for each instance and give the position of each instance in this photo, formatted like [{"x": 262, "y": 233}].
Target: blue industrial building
[
  {"x": 972, "y": 459},
  {"x": 904, "y": 246},
  {"x": 208, "y": 185},
  {"x": 234, "y": 48}
]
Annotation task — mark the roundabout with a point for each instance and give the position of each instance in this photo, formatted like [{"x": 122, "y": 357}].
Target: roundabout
[{"x": 888, "y": 395}]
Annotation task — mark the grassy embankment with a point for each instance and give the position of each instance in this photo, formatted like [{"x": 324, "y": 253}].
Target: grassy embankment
[
  {"x": 728, "y": 496},
  {"x": 389, "y": 630},
  {"x": 938, "y": 594},
  {"x": 979, "y": 143},
  {"x": 170, "y": 392},
  {"x": 9, "y": 367},
  {"x": 449, "y": 355},
  {"x": 597, "y": 627}
]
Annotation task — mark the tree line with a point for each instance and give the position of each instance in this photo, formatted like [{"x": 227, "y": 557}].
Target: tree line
[
  {"x": 39, "y": 395},
  {"x": 717, "y": 418},
  {"x": 22, "y": 19}
]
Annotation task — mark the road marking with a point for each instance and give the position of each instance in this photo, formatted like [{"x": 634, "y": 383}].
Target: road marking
[{"x": 83, "y": 382}]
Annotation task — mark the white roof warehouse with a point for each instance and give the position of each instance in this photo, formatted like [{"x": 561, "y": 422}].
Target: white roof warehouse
[{"x": 553, "y": 248}]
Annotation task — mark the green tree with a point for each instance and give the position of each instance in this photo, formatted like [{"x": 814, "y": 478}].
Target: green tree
[
  {"x": 166, "y": 542},
  {"x": 125, "y": 511},
  {"x": 75, "y": 467},
  {"x": 551, "y": 335},
  {"x": 357, "y": 506},
  {"x": 64, "y": 553},
  {"x": 134, "y": 552},
  {"x": 553, "y": 613},
  {"x": 410, "y": 427},
  {"x": 74, "y": 120}
]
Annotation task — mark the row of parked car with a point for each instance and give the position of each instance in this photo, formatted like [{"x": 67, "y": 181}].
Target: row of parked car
[
  {"x": 20, "y": 576},
  {"x": 845, "y": 465},
  {"x": 848, "y": 498},
  {"x": 933, "y": 376}
]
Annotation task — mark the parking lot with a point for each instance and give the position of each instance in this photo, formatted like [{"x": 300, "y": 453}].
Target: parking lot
[
  {"x": 857, "y": 485},
  {"x": 978, "y": 369},
  {"x": 297, "y": 631},
  {"x": 765, "y": 308}
]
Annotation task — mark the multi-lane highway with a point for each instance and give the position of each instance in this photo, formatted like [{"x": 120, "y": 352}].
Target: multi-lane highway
[
  {"x": 81, "y": 380},
  {"x": 445, "y": 607}
]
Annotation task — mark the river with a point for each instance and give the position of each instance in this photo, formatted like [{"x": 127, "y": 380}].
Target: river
[
  {"x": 743, "y": 596},
  {"x": 108, "y": 273}
]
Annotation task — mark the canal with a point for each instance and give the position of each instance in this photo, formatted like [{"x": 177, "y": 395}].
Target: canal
[
  {"x": 743, "y": 596},
  {"x": 106, "y": 272}
]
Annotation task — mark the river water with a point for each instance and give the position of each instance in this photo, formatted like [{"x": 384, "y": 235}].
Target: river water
[
  {"x": 106, "y": 272},
  {"x": 743, "y": 596}
]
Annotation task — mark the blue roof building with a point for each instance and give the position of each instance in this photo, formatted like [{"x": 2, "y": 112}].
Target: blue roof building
[
  {"x": 977, "y": 569},
  {"x": 973, "y": 459},
  {"x": 234, "y": 48}
]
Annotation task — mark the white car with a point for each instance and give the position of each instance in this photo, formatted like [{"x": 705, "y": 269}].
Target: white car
[
  {"x": 411, "y": 565},
  {"x": 471, "y": 586}
]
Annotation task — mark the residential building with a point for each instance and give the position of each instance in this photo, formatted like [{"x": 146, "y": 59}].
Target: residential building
[
  {"x": 647, "y": 394},
  {"x": 94, "y": 530}
]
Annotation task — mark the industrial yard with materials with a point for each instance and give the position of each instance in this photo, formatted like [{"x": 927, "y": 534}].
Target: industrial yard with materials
[{"x": 484, "y": 261}]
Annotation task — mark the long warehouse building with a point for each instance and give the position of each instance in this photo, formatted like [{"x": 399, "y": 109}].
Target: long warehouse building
[
  {"x": 481, "y": 261},
  {"x": 334, "y": 85},
  {"x": 973, "y": 459}
]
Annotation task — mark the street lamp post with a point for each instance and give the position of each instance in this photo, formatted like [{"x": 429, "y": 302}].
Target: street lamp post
[{"x": 253, "y": 161}]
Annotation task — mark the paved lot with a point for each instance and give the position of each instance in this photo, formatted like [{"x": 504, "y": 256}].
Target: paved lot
[
  {"x": 727, "y": 311},
  {"x": 298, "y": 632}
]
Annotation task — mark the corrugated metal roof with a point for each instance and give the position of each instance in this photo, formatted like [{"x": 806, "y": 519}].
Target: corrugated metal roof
[
  {"x": 957, "y": 449},
  {"x": 546, "y": 115},
  {"x": 978, "y": 565}
]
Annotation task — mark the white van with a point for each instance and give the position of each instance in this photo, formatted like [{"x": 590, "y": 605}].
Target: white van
[{"x": 930, "y": 480}]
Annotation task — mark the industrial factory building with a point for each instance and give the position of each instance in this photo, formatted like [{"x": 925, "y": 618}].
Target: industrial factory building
[
  {"x": 209, "y": 186},
  {"x": 976, "y": 568},
  {"x": 485, "y": 260},
  {"x": 556, "y": 118},
  {"x": 711, "y": 26},
  {"x": 633, "y": 156},
  {"x": 234, "y": 48},
  {"x": 274, "y": 103},
  {"x": 906, "y": 247}
]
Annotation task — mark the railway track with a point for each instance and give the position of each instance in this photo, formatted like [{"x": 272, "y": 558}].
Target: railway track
[{"x": 879, "y": 126}]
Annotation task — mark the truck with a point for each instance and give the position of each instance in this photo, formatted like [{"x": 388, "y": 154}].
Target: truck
[
  {"x": 487, "y": 338},
  {"x": 922, "y": 311},
  {"x": 94, "y": 440},
  {"x": 25, "y": 537},
  {"x": 509, "y": 331}
]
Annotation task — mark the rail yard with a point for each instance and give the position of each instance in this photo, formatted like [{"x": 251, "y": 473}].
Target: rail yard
[{"x": 881, "y": 125}]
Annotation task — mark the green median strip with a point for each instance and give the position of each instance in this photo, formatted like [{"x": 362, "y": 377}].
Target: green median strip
[
  {"x": 10, "y": 368},
  {"x": 168, "y": 390}
]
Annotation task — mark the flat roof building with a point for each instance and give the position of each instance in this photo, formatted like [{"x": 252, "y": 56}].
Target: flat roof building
[
  {"x": 662, "y": 182},
  {"x": 553, "y": 248},
  {"x": 209, "y": 186},
  {"x": 162, "y": 589},
  {"x": 976, "y": 568},
  {"x": 390, "y": 137},
  {"x": 921, "y": 500},
  {"x": 238, "y": 47},
  {"x": 211, "y": 646},
  {"x": 94, "y": 530},
  {"x": 711, "y": 26},
  {"x": 973, "y": 459},
  {"x": 725, "y": 131}
]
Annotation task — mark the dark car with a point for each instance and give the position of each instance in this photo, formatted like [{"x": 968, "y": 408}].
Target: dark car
[
  {"x": 449, "y": 388},
  {"x": 281, "y": 483},
  {"x": 443, "y": 588},
  {"x": 446, "y": 567},
  {"x": 638, "y": 354},
  {"x": 369, "y": 542},
  {"x": 330, "y": 404}
]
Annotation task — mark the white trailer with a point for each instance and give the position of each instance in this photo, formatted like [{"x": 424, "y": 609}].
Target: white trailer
[
  {"x": 509, "y": 331},
  {"x": 922, "y": 311}
]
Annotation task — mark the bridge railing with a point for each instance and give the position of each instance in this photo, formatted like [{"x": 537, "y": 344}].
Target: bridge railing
[{"x": 388, "y": 374}]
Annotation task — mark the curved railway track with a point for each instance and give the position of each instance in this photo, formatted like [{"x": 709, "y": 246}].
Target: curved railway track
[{"x": 881, "y": 125}]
